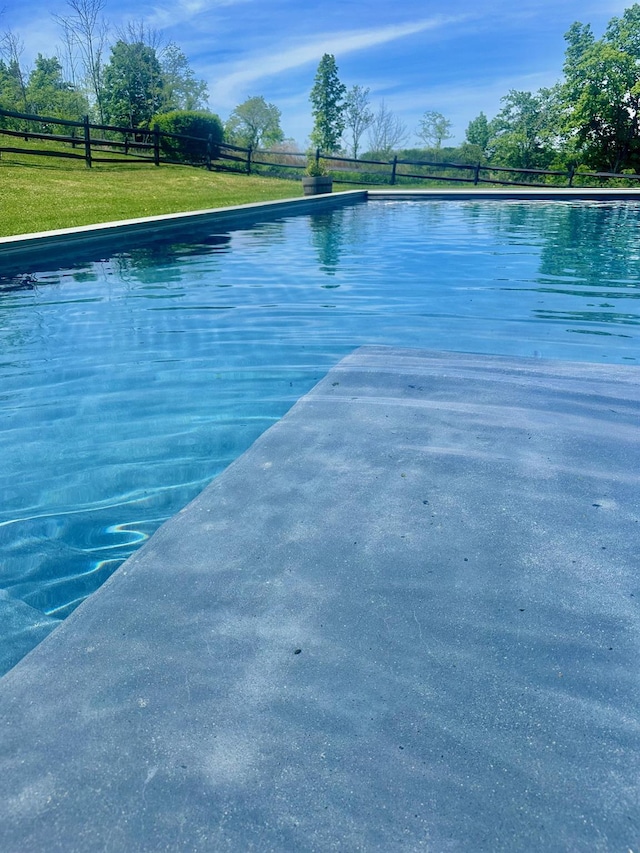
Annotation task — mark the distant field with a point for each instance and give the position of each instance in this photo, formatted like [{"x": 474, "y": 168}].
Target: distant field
[{"x": 43, "y": 193}]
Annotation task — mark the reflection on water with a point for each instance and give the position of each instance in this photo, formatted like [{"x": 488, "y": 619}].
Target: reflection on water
[
  {"x": 129, "y": 379},
  {"x": 329, "y": 238},
  {"x": 589, "y": 264}
]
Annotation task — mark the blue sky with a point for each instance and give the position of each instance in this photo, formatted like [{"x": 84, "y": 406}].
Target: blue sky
[{"x": 457, "y": 57}]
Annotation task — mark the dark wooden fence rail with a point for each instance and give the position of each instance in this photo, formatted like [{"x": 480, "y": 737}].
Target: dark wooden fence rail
[{"x": 103, "y": 143}]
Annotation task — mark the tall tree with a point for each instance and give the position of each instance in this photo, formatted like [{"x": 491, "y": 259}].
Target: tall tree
[
  {"x": 624, "y": 32},
  {"x": 478, "y": 132},
  {"x": 524, "y": 129},
  {"x": 387, "y": 132},
  {"x": 434, "y": 128},
  {"x": 601, "y": 92},
  {"x": 357, "y": 116},
  {"x": 11, "y": 97},
  {"x": 84, "y": 32},
  {"x": 327, "y": 106},
  {"x": 182, "y": 91},
  {"x": 50, "y": 94},
  {"x": 254, "y": 124},
  {"x": 132, "y": 85}
]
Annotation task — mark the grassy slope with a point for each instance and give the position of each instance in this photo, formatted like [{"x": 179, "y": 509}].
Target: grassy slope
[{"x": 42, "y": 193}]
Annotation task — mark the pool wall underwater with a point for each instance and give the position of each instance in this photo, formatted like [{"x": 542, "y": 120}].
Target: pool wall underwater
[{"x": 405, "y": 619}]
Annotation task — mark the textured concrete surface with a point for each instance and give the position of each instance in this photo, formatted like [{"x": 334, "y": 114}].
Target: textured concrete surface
[{"x": 405, "y": 619}]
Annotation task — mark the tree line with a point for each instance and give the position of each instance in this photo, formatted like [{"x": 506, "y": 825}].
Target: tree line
[
  {"x": 123, "y": 79},
  {"x": 139, "y": 79},
  {"x": 591, "y": 117}
]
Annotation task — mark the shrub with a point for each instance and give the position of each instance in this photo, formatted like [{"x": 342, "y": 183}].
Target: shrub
[
  {"x": 315, "y": 169},
  {"x": 190, "y": 123}
]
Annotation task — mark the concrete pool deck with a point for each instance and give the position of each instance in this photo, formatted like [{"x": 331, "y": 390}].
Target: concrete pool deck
[{"x": 405, "y": 619}]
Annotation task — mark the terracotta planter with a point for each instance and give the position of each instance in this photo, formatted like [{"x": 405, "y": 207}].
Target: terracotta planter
[{"x": 317, "y": 185}]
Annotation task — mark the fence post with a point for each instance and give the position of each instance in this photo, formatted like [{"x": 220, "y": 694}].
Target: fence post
[
  {"x": 476, "y": 174},
  {"x": 249, "y": 150},
  {"x": 156, "y": 146},
  {"x": 393, "y": 170},
  {"x": 87, "y": 142},
  {"x": 317, "y": 156},
  {"x": 126, "y": 144},
  {"x": 209, "y": 151},
  {"x": 571, "y": 173}
]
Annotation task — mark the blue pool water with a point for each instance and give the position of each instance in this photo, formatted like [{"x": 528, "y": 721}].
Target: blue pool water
[{"x": 129, "y": 379}]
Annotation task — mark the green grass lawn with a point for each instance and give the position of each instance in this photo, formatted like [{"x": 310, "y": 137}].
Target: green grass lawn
[{"x": 43, "y": 193}]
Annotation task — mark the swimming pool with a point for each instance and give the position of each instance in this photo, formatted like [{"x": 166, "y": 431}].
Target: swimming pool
[{"x": 129, "y": 379}]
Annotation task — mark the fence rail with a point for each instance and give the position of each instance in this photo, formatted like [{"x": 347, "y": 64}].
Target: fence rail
[{"x": 92, "y": 142}]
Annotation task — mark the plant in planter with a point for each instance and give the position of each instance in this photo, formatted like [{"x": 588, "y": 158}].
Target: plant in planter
[{"x": 316, "y": 180}]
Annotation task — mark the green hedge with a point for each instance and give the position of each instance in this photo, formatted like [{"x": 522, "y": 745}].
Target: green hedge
[{"x": 189, "y": 123}]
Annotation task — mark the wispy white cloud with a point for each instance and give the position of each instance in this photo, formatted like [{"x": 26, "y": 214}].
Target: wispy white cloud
[
  {"x": 240, "y": 75},
  {"x": 183, "y": 11}
]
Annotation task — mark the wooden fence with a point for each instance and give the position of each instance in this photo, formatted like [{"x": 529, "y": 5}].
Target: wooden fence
[{"x": 98, "y": 143}]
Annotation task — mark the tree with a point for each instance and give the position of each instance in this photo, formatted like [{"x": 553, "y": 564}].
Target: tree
[
  {"x": 49, "y": 94},
  {"x": 327, "y": 102},
  {"x": 601, "y": 92},
  {"x": 132, "y": 90},
  {"x": 254, "y": 124},
  {"x": 11, "y": 97},
  {"x": 387, "y": 132},
  {"x": 524, "y": 129},
  {"x": 478, "y": 132},
  {"x": 434, "y": 129},
  {"x": 579, "y": 38},
  {"x": 357, "y": 116},
  {"x": 182, "y": 91},
  {"x": 84, "y": 32},
  {"x": 624, "y": 32}
]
